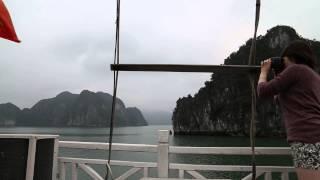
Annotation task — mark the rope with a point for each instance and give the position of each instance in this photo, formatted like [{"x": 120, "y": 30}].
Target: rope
[
  {"x": 252, "y": 59},
  {"x": 115, "y": 87},
  {"x": 252, "y": 56}
]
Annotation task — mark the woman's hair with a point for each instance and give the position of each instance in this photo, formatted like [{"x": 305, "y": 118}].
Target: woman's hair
[{"x": 301, "y": 53}]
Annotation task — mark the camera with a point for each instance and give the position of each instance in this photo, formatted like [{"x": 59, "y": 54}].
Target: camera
[{"x": 277, "y": 64}]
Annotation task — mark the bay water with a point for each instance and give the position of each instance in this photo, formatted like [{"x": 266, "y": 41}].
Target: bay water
[{"x": 149, "y": 135}]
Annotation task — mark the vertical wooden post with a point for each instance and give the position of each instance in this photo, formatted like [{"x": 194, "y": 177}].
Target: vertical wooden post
[
  {"x": 284, "y": 176},
  {"x": 163, "y": 154},
  {"x": 55, "y": 158},
  {"x": 181, "y": 173},
  {"x": 62, "y": 171},
  {"x": 268, "y": 176},
  {"x": 145, "y": 172},
  {"x": 31, "y": 158},
  {"x": 74, "y": 173}
]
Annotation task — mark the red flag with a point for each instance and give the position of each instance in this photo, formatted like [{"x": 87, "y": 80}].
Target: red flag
[{"x": 6, "y": 27}]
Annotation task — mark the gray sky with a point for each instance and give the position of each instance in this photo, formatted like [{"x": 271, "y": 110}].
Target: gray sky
[{"x": 67, "y": 45}]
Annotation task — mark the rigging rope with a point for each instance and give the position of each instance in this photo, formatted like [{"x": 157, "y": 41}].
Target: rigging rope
[
  {"x": 252, "y": 59},
  {"x": 115, "y": 87}
]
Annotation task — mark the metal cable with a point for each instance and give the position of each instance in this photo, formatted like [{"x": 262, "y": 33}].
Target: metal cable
[
  {"x": 252, "y": 59},
  {"x": 115, "y": 87}
]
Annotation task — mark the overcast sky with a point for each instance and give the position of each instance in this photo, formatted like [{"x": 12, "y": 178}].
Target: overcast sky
[{"x": 67, "y": 45}]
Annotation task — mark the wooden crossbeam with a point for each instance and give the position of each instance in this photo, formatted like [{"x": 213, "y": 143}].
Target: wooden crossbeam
[
  {"x": 249, "y": 176},
  {"x": 90, "y": 171},
  {"x": 196, "y": 175},
  {"x": 186, "y": 68},
  {"x": 127, "y": 174}
]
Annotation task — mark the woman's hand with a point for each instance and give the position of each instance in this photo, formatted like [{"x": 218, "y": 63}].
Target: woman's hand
[{"x": 266, "y": 66}]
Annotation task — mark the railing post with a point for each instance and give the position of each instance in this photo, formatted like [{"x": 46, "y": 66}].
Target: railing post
[
  {"x": 31, "y": 158},
  {"x": 268, "y": 176},
  {"x": 55, "y": 173},
  {"x": 62, "y": 171},
  {"x": 145, "y": 172},
  {"x": 284, "y": 176},
  {"x": 181, "y": 173},
  {"x": 163, "y": 154},
  {"x": 74, "y": 171}
]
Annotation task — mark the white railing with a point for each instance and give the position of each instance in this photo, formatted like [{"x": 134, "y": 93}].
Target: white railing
[{"x": 163, "y": 164}]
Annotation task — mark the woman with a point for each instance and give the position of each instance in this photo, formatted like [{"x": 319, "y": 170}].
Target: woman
[{"x": 298, "y": 90}]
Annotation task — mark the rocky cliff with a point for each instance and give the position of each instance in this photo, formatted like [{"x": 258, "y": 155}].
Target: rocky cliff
[
  {"x": 223, "y": 105},
  {"x": 87, "y": 109}
]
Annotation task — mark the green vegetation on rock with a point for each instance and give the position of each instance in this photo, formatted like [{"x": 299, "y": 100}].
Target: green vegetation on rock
[
  {"x": 223, "y": 105},
  {"x": 87, "y": 109}
]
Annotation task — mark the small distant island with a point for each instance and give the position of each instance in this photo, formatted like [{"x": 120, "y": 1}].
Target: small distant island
[{"x": 87, "y": 109}]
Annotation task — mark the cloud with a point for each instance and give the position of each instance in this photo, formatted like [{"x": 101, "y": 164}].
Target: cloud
[{"x": 68, "y": 45}]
